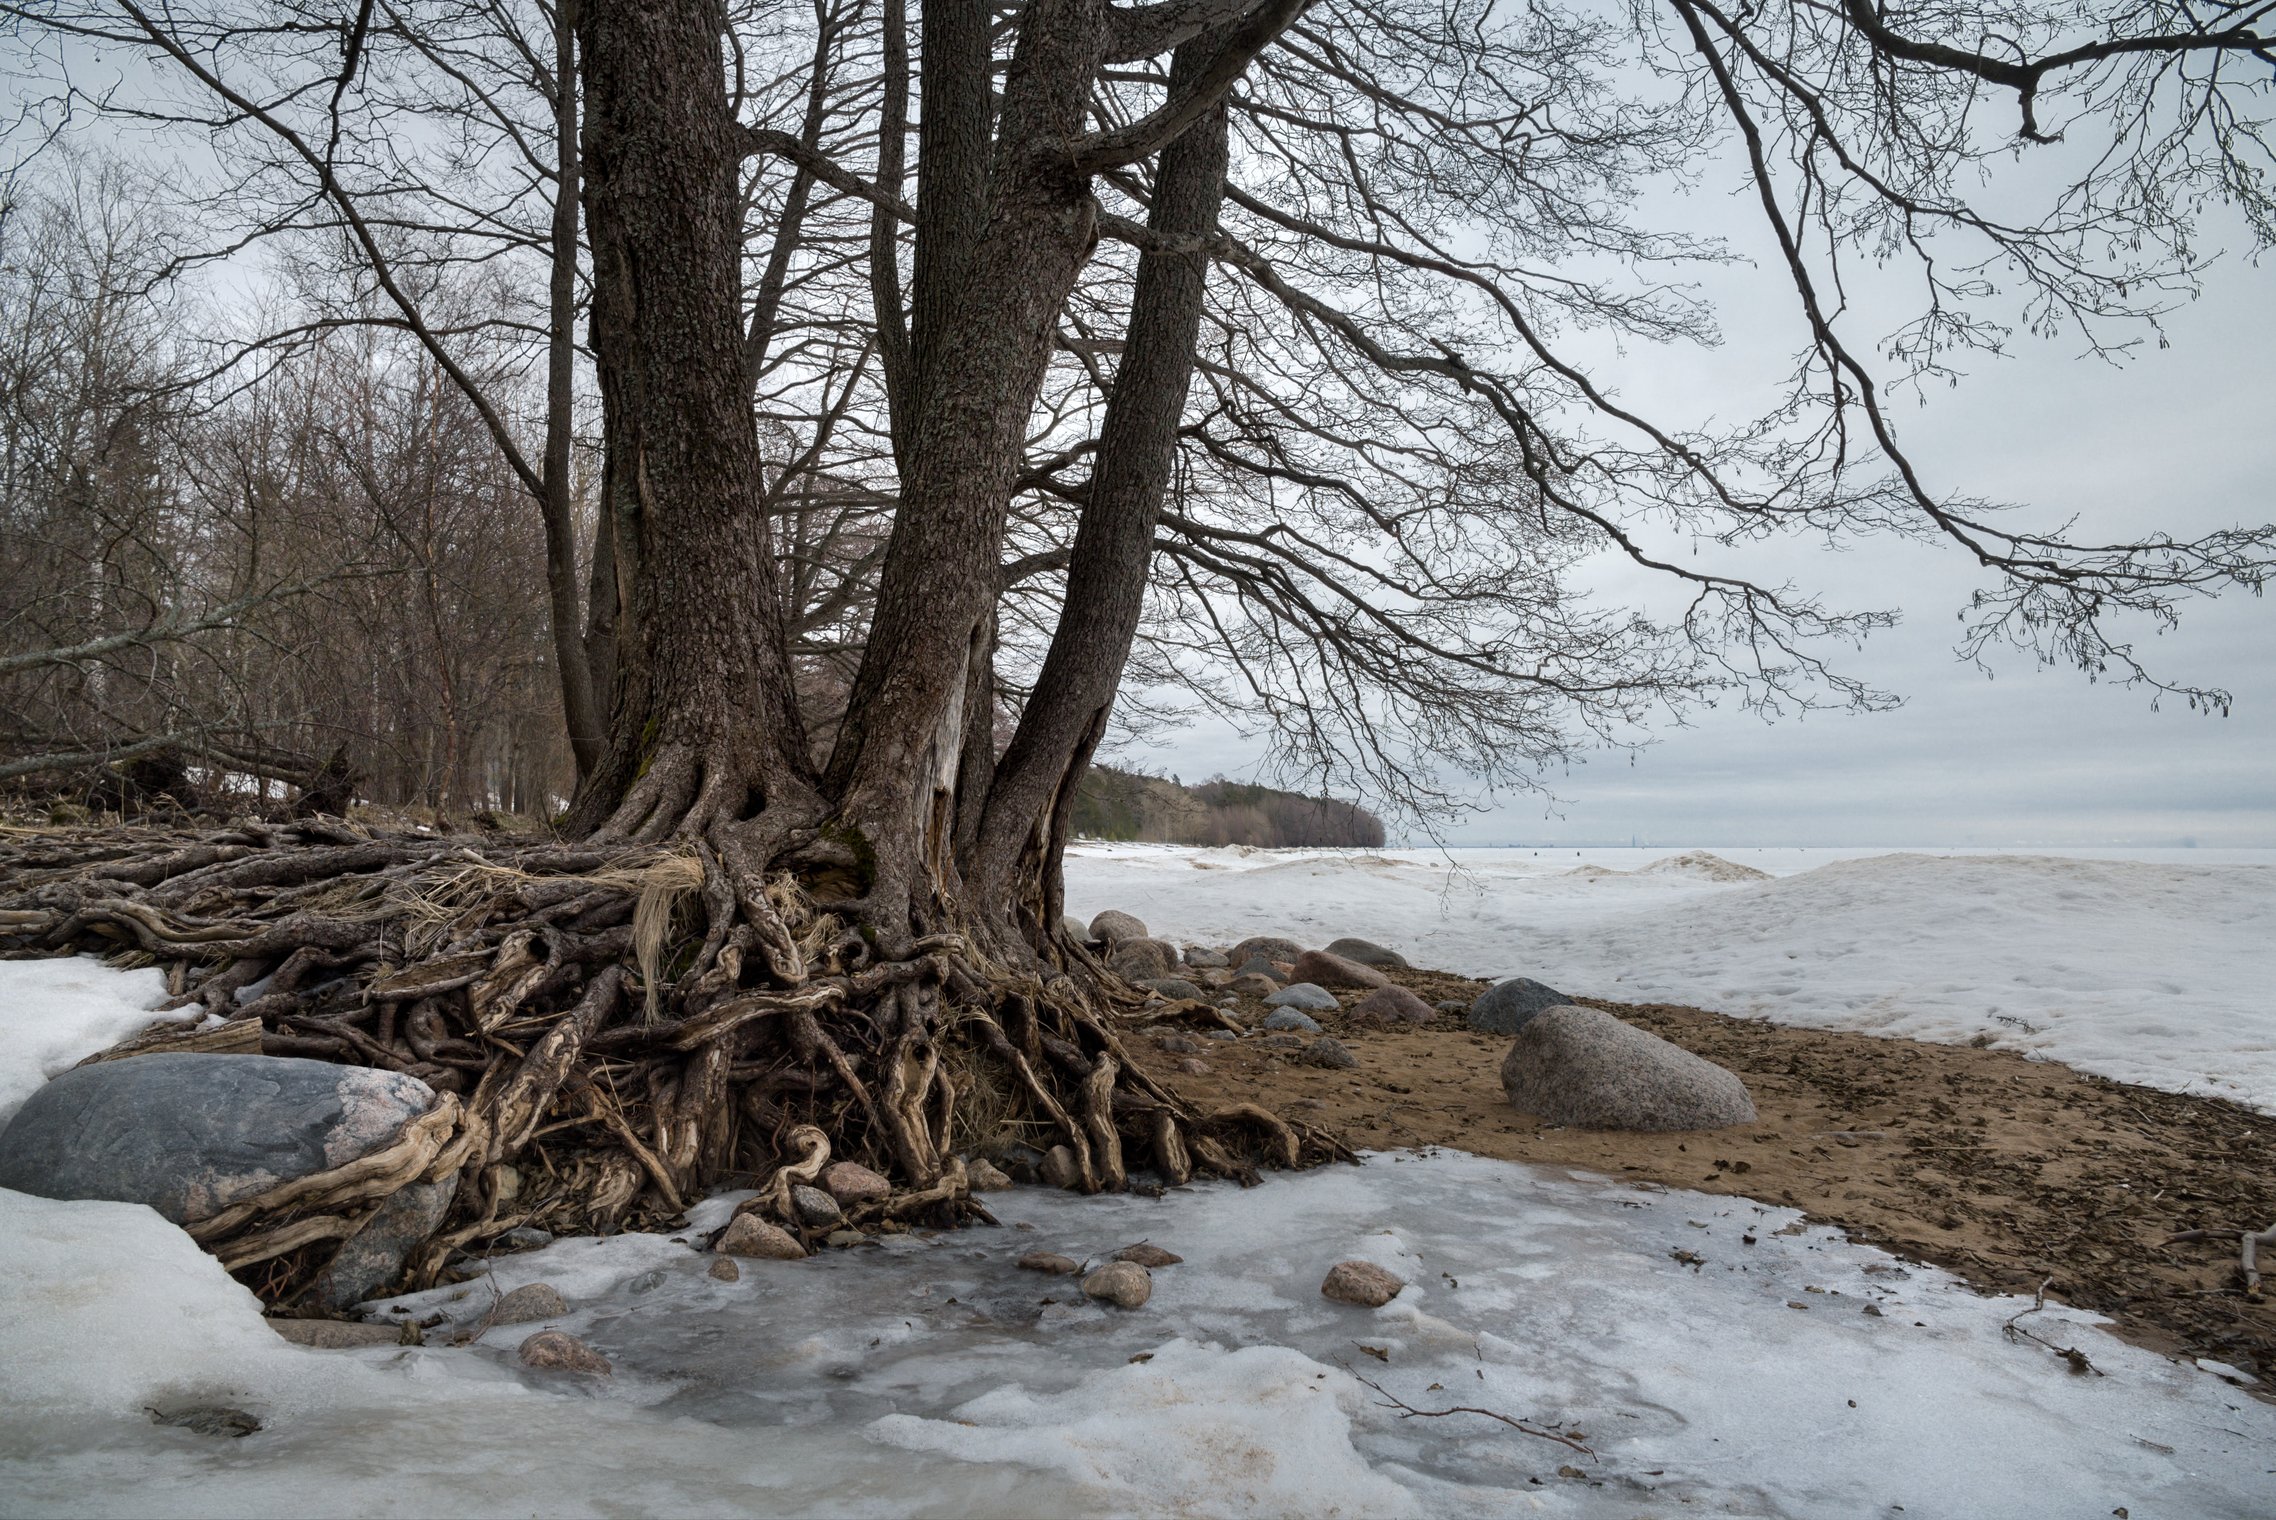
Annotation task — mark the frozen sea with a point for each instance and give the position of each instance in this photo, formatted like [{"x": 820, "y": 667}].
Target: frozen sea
[
  {"x": 2155, "y": 967},
  {"x": 1714, "y": 1356}
]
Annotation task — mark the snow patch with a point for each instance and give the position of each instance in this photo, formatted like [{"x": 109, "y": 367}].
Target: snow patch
[{"x": 56, "y": 1013}]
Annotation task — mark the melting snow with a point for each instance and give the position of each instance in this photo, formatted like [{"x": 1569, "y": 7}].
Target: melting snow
[{"x": 929, "y": 1376}]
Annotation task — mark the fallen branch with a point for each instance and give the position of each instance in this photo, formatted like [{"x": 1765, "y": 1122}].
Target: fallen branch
[
  {"x": 2077, "y": 1359},
  {"x": 1408, "y": 1411}
]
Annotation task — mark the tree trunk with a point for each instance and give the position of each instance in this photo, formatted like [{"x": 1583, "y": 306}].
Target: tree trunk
[
  {"x": 986, "y": 314},
  {"x": 1012, "y": 865},
  {"x": 704, "y": 713}
]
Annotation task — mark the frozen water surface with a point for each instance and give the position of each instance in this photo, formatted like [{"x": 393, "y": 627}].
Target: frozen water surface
[
  {"x": 2151, "y": 970},
  {"x": 930, "y": 1376}
]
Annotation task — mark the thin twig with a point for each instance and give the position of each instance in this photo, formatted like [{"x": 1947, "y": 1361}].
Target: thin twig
[{"x": 1410, "y": 1412}]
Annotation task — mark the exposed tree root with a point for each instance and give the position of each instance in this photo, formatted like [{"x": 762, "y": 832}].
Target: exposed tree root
[{"x": 616, "y": 1027}]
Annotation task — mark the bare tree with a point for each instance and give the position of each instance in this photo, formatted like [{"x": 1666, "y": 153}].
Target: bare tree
[{"x": 1310, "y": 406}]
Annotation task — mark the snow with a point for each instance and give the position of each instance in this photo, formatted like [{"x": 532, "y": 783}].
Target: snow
[
  {"x": 54, "y": 1014},
  {"x": 2153, "y": 970},
  {"x": 929, "y": 1376}
]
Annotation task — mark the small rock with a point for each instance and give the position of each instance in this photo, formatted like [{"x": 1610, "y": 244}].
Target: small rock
[
  {"x": 1450, "y": 1005},
  {"x": 1325, "y": 970},
  {"x": 1585, "y": 1068},
  {"x": 1124, "y": 1284},
  {"x": 1177, "y": 1044},
  {"x": 370, "y": 1261},
  {"x": 1051, "y": 1262},
  {"x": 336, "y": 1334},
  {"x": 1360, "y": 1282},
  {"x": 529, "y": 1303},
  {"x": 1307, "y": 996},
  {"x": 840, "y": 1239},
  {"x": 209, "y": 1421},
  {"x": 985, "y": 1177},
  {"x": 815, "y": 1207},
  {"x": 1111, "y": 926},
  {"x": 1219, "y": 1034},
  {"x": 850, "y": 1183},
  {"x": 1059, "y": 1169},
  {"x": 1506, "y": 1007},
  {"x": 1368, "y": 953},
  {"x": 1214, "y": 978},
  {"x": 1252, "y": 984},
  {"x": 1148, "y": 1256},
  {"x": 1201, "y": 957},
  {"x": 1268, "y": 946},
  {"x": 1292, "y": 1019},
  {"x": 1282, "y": 1040},
  {"x": 1393, "y": 1005},
  {"x": 1257, "y": 965},
  {"x": 1193, "y": 1066},
  {"x": 1329, "y": 1052},
  {"x": 557, "y": 1351},
  {"x": 725, "y": 1270},
  {"x": 1074, "y": 929},
  {"x": 749, "y": 1235},
  {"x": 1173, "y": 987}
]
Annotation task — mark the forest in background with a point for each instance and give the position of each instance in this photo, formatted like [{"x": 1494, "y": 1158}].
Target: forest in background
[{"x": 1111, "y": 803}]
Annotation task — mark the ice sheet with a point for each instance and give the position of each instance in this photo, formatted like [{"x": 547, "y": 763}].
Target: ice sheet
[
  {"x": 929, "y": 1376},
  {"x": 2150, "y": 971},
  {"x": 54, "y": 1014}
]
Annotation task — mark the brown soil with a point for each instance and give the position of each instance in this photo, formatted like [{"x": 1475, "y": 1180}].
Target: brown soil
[{"x": 2010, "y": 1172}]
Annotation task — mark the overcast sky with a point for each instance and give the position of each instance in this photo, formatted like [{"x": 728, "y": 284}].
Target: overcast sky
[{"x": 2182, "y": 437}]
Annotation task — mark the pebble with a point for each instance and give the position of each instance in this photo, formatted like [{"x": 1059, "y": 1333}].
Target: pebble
[
  {"x": 1148, "y": 1255},
  {"x": 749, "y": 1235},
  {"x": 985, "y": 1177},
  {"x": 843, "y": 1238},
  {"x": 1193, "y": 1067},
  {"x": 815, "y": 1207},
  {"x": 1290, "y": 1019},
  {"x": 1360, "y": 1282},
  {"x": 1059, "y": 1169},
  {"x": 1178, "y": 1044},
  {"x": 1124, "y": 1284},
  {"x": 1049, "y": 1261},
  {"x": 528, "y": 1303},
  {"x": 1329, "y": 1052},
  {"x": 557, "y": 1351},
  {"x": 725, "y": 1270}
]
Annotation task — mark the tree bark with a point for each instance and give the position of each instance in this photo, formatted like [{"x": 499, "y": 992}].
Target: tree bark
[
  {"x": 1018, "y": 838},
  {"x": 986, "y": 312},
  {"x": 704, "y": 709}
]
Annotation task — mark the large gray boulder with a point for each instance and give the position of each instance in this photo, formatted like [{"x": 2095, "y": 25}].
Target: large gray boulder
[
  {"x": 190, "y": 1135},
  {"x": 1585, "y": 1068},
  {"x": 1368, "y": 953},
  {"x": 1505, "y": 1007}
]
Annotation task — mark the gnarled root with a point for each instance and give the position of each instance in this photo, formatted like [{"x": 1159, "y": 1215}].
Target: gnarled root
[{"x": 618, "y": 1027}]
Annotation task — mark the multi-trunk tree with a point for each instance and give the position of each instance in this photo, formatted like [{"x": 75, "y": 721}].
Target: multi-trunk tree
[{"x": 1235, "y": 323}]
